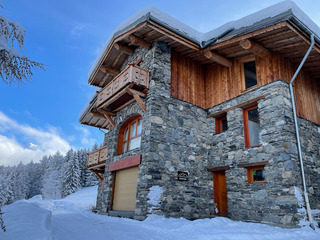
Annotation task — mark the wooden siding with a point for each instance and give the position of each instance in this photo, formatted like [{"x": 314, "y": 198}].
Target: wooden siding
[
  {"x": 209, "y": 85},
  {"x": 187, "y": 80}
]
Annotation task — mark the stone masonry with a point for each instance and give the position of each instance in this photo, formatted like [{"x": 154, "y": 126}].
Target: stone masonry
[{"x": 177, "y": 136}]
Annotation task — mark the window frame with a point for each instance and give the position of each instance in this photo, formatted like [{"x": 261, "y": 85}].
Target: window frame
[
  {"x": 218, "y": 123},
  {"x": 246, "y": 126},
  {"x": 127, "y": 124},
  {"x": 242, "y": 73},
  {"x": 250, "y": 175}
]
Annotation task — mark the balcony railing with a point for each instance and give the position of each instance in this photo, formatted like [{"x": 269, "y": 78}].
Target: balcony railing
[
  {"x": 97, "y": 159},
  {"x": 136, "y": 76}
]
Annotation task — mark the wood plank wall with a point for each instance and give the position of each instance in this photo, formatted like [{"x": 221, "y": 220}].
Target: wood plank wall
[
  {"x": 187, "y": 80},
  {"x": 209, "y": 85}
]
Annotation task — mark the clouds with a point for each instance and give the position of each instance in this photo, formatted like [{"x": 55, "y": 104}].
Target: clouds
[
  {"x": 85, "y": 136},
  {"x": 21, "y": 142},
  {"x": 77, "y": 28}
]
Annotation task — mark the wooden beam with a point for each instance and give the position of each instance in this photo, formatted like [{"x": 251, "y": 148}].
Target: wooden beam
[
  {"x": 139, "y": 41},
  {"x": 123, "y": 48},
  {"x": 107, "y": 112},
  {"x": 99, "y": 115},
  {"x": 219, "y": 168},
  {"x": 248, "y": 35},
  {"x": 255, "y": 48},
  {"x": 252, "y": 164},
  {"x": 132, "y": 92},
  {"x": 97, "y": 174},
  {"x": 107, "y": 116},
  {"x": 137, "y": 98},
  {"x": 111, "y": 71},
  {"x": 217, "y": 58}
]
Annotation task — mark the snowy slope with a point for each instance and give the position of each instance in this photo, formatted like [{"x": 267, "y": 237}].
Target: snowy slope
[{"x": 70, "y": 218}]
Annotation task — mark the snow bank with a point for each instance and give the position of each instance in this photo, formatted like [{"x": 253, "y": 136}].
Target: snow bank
[
  {"x": 66, "y": 219},
  {"x": 26, "y": 220}
]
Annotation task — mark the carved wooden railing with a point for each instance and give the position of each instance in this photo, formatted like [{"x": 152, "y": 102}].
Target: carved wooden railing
[
  {"x": 132, "y": 74},
  {"x": 98, "y": 157}
]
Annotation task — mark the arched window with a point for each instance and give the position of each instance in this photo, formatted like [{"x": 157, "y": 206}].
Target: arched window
[{"x": 130, "y": 134}]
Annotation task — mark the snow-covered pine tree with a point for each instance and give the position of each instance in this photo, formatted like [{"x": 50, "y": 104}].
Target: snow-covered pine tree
[
  {"x": 20, "y": 183},
  {"x": 14, "y": 68},
  {"x": 82, "y": 156},
  {"x": 34, "y": 172},
  {"x": 52, "y": 177},
  {"x": 6, "y": 194},
  {"x": 71, "y": 176},
  {"x": 95, "y": 147}
]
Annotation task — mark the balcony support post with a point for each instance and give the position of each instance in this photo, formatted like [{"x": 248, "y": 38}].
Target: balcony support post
[
  {"x": 107, "y": 116},
  {"x": 96, "y": 172},
  {"x": 135, "y": 95}
]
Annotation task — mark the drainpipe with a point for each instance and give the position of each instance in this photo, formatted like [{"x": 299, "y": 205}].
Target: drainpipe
[{"x": 298, "y": 135}]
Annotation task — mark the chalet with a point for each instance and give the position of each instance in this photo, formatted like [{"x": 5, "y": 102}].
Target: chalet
[{"x": 202, "y": 125}]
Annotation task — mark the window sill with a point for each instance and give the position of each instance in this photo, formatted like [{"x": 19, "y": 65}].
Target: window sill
[
  {"x": 249, "y": 89},
  {"x": 257, "y": 182}
]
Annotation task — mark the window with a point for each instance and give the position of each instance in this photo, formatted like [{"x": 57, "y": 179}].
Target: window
[
  {"x": 221, "y": 124},
  {"x": 249, "y": 74},
  {"x": 251, "y": 126},
  {"x": 256, "y": 175},
  {"x": 130, "y": 135}
]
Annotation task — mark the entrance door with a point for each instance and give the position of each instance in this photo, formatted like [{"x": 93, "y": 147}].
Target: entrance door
[
  {"x": 125, "y": 189},
  {"x": 220, "y": 193}
]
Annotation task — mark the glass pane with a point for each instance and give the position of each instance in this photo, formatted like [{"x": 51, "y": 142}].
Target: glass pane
[
  {"x": 125, "y": 137},
  {"x": 254, "y": 127},
  {"x": 133, "y": 129},
  {"x": 124, "y": 147},
  {"x": 258, "y": 175},
  {"x": 224, "y": 125},
  {"x": 134, "y": 143},
  {"x": 139, "y": 127},
  {"x": 250, "y": 74}
]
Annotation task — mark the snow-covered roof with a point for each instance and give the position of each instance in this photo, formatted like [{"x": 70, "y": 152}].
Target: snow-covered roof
[{"x": 154, "y": 14}]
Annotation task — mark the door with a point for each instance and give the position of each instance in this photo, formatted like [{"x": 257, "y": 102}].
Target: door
[
  {"x": 125, "y": 189},
  {"x": 220, "y": 193}
]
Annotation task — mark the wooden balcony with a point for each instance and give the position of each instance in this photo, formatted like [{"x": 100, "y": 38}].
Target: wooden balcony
[
  {"x": 130, "y": 85},
  {"x": 96, "y": 160},
  {"x": 120, "y": 92}
]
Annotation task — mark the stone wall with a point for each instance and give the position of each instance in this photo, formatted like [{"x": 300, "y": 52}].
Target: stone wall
[
  {"x": 275, "y": 200},
  {"x": 177, "y": 136},
  {"x": 310, "y": 146}
]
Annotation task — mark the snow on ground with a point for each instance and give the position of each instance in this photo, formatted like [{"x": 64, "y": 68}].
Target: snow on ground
[{"x": 71, "y": 218}]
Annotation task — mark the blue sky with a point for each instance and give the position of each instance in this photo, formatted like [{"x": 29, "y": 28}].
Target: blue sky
[{"x": 67, "y": 36}]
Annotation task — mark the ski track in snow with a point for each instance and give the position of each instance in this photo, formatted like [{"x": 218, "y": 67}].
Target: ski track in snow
[{"x": 71, "y": 218}]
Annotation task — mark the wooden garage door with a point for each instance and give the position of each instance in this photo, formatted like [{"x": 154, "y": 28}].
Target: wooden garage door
[{"x": 125, "y": 189}]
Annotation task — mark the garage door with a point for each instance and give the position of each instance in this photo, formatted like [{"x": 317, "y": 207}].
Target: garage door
[{"x": 125, "y": 189}]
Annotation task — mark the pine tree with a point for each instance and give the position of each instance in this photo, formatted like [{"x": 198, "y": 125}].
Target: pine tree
[
  {"x": 5, "y": 191},
  {"x": 14, "y": 68},
  {"x": 71, "y": 176},
  {"x": 20, "y": 182},
  {"x": 34, "y": 175},
  {"x": 52, "y": 177}
]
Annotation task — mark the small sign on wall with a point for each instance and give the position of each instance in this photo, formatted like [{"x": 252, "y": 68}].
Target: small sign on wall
[{"x": 183, "y": 175}]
